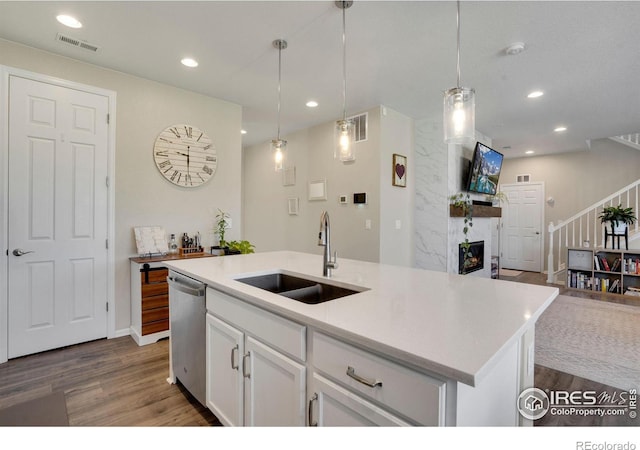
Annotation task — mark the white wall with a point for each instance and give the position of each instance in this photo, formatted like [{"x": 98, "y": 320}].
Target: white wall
[
  {"x": 578, "y": 179},
  {"x": 396, "y": 203},
  {"x": 142, "y": 195},
  {"x": 267, "y": 223},
  {"x": 310, "y": 151}
]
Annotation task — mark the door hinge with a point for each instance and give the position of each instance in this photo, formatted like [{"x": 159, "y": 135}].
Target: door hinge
[
  {"x": 106, "y": 243},
  {"x": 108, "y": 118},
  {"x": 107, "y": 304},
  {"x": 106, "y": 181}
]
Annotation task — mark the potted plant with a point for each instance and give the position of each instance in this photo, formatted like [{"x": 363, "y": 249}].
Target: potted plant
[
  {"x": 240, "y": 247},
  {"x": 619, "y": 218},
  {"x": 220, "y": 229},
  {"x": 459, "y": 200}
]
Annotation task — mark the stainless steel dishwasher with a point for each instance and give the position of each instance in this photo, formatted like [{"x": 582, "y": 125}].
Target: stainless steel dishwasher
[{"x": 187, "y": 314}]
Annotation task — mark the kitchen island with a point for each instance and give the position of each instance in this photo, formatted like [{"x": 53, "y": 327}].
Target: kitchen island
[{"x": 455, "y": 350}]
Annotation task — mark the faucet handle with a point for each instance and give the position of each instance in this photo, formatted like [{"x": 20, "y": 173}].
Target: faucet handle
[{"x": 334, "y": 263}]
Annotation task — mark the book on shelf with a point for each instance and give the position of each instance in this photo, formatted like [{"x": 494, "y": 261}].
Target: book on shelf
[
  {"x": 632, "y": 293},
  {"x": 605, "y": 263},
  {"x": 596, "y": 262},
  {"x": 614, "y": 286},
  {"x": 616, "y": 265}
]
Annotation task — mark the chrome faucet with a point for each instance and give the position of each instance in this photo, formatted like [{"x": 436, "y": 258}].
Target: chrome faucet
[{"x": 324, "y": 239}]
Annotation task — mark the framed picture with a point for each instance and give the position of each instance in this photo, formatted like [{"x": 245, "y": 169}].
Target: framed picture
[
  {"x": 292, "y": 205},
  {"x": 151, "y": 240},
  {"x": 289, "y": 176},
  {"x": 318, "y": 190},
  {"x": 399, "y": 168}
]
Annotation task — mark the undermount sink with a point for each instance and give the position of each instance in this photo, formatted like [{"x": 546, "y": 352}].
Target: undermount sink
[{"x": 297, "y": 288}]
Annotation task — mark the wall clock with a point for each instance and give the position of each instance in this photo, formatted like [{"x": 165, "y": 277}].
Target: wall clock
[{"x": 185, "y": 155}]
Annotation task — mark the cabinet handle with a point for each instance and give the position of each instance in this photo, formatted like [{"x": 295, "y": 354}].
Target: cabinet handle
[
  {"x": 234, "y": 364},
  {"x": 310, "y": 411},
  {"x": 352, "y": 373},
  {"x": 244, "y": 365}
]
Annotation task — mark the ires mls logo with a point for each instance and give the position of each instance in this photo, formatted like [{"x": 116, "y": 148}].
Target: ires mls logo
[{"x": 534, "y": 403}]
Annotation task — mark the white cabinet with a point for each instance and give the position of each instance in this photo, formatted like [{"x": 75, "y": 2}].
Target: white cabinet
[
  {"x": 332, "y": 405},
  {"x": 359, "y": 379},
  {"x": 274, "y": 387},
  {"x": 225, "y": 383},
  {"x": 255, "y": 365}
]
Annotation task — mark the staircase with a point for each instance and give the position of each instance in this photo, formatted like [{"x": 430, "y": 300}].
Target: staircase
[
  {"x": 632, "y": 140},
  {"x": 585, "y": 226}
]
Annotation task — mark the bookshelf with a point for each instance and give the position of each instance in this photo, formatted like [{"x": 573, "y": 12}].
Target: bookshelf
[{"x": 604, "y": 270}]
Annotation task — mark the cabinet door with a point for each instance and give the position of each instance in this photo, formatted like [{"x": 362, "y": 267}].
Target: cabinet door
[
  {"x": 332, "y": 406},
  {"x": 274, "y": 387},
  {"x": 224, "y": 371}
]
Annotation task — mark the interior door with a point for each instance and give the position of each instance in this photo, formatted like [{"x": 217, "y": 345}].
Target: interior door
[
  {"x": 57, "y": 224},
  {"x": 522, "y": 218}
]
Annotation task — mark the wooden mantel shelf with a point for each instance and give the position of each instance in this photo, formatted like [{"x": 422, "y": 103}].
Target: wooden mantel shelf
[{"x": 478, "y": 211}]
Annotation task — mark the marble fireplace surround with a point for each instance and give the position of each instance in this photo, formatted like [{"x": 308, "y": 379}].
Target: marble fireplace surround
[{"x": 439, "y": 171}]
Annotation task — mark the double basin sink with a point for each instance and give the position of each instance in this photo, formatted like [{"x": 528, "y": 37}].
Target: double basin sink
[{"x": 298, "y": 288}]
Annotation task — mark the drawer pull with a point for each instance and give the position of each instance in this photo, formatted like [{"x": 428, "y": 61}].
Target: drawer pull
[
  {"x": 310, "y": 411},
  {"x": 234, "y": 352},
  {"x": 244, "y": 365},
  {"x": 352, "y": 373}
]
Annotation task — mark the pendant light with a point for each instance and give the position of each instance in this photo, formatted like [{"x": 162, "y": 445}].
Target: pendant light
[
  {"x": 459, "y": 107},
  {"x": 345, "y": 128},
  {"x": 279, "y": 145}
]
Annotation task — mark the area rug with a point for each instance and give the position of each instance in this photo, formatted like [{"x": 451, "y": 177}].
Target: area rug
[
  {"x": 47, "y": 411},
  {"x": 509, "y": 272},
  {"x": 596, "y": 340}
]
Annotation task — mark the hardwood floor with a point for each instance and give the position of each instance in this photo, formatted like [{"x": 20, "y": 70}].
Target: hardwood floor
[
  {"x": 106, "y": 382},
  {"x": 549, "y": 379},
  {"x": 117, "y": 383}
]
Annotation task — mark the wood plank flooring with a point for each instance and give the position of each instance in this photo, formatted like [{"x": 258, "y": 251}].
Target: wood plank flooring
[
  {"x": 106, "y": 383},
  {"x": 117, "y": 383}
]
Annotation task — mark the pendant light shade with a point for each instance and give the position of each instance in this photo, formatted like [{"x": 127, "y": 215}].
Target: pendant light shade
[
  {"x": 459, "y": 110},
  {"x": 345, "y": 128},
  {"x": 278, "y": 146},
  {"x": 459, "y": 115}
]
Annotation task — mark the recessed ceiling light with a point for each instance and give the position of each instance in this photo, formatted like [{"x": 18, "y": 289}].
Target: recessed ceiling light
[
  {"x": 69, "y": 21},
  {"x": 243, "y": 131},
  {"x": 189, "y": 62},
  {"x": 312, "y": 103},
  {"x": 529, "y": 152},
  {"x": 559, "y": 129},
  {"x": 535, "y": 94}
]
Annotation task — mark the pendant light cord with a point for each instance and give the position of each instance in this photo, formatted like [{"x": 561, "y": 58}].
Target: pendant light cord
[
  {"x": 279, "y": 82},
  {"x": 458, "y": 26},
  {"x": 344, "y": 63}
]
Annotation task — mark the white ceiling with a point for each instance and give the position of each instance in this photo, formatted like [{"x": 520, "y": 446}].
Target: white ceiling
[{"x": 584, "y": 55}]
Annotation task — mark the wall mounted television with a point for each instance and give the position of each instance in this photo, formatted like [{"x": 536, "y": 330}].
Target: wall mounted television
[{"x": 484, "y": 172}]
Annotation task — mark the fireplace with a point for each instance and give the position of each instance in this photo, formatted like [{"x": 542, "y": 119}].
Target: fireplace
[{"x": 475, "y": 261}]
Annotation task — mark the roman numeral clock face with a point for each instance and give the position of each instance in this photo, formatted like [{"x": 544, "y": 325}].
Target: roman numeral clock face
[{"x": 185, "y": 155}]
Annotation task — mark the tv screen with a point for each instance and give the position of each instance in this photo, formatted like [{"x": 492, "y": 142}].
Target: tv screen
[{"x": 485, "y": 170}]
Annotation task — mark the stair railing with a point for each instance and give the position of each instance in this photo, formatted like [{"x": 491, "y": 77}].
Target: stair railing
[{"x": 585, "y": 229}]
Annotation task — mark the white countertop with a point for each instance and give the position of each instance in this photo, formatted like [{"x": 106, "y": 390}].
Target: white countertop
[{"x": 453, "y": 325}]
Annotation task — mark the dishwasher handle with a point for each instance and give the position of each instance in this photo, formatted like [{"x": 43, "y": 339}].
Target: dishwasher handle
[{"x": 195, "y": 289}]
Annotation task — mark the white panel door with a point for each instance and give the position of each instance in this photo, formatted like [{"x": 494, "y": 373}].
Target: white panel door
[
  {"x": 58, "y": 155},
  {"x": 522, "y": 227}
]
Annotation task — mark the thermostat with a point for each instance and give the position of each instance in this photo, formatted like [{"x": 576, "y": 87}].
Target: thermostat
[
  {"x": 360, "y": 198},
  {"x": 343, "y": 199}
]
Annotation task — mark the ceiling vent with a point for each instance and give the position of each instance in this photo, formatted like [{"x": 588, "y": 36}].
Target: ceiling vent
[
  {"x": 361, "y": 126},
  {"x": 76, "y": 42}
]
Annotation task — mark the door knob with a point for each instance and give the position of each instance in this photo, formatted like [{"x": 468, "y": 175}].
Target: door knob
[{"x": 20, "y": 252}]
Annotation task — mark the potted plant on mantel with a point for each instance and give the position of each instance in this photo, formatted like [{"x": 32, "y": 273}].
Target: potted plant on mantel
[
  {"x": 619, "y": 218},
  {"x": 459, "y": 200}
]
